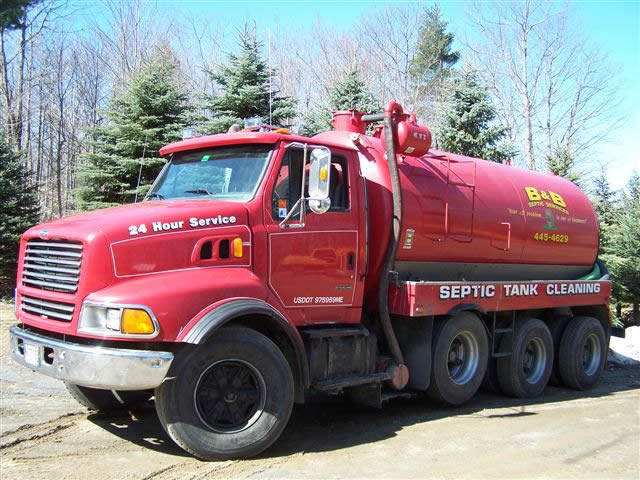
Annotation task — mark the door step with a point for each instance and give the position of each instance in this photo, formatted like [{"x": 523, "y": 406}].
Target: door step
[{"x": 337, "y": 384}]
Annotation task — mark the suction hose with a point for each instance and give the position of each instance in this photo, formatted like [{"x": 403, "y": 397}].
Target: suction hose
[{"x": 391, "y": 109}]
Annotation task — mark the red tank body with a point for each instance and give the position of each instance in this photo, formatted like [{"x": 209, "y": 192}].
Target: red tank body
[{"x": 467, "y": 210}]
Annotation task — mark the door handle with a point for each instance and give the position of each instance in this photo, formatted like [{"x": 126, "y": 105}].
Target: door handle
[{"x": 351, "y": 260}]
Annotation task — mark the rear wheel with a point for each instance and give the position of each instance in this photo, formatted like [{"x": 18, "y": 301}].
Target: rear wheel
[
  {"x": 108, "y": 400},
  {"x": 228, "y": 398},
  {"x": 526, "y": 371},
  {"x": 583, "y": 353},
  {"x": 460, "y": 352},
  {"x": 557, "y": 327}
]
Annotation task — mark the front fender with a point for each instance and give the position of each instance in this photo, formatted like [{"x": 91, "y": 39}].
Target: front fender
[
  {"x": 177, "y": 297},
  {"x": 256, "y": 314}
]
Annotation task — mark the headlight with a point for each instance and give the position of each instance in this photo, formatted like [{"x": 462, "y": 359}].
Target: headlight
[{"x": 108, "y": 320}]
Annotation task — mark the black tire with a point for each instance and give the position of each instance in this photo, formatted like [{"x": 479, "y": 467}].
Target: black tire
[
  {"x": 557, "y": 327},
  {"x": 490, "y": 381},
  {"x": 459, "y": 359},
  {"x": 108, "y": 400},
  {"x": 228, "y": 398},
  {"x": 526, "y": 371},
  {"x": 583, "y": 353}
]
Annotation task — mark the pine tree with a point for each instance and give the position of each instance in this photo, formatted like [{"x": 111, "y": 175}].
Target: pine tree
[
  {"x": 623, "y": 259},
  {"x": 244, "y": 85},
  {"x": 468, "y": 126},
  {"x": 19, "y": 210},
  {"x": 148, "y": 114},
  {"x": 434, "y": 59},
  {"x": 350, "y": 92},
  {"x": 562, "y": 162},
  {"x": 13, "y": 11},
  {"x": 604, "y": 204}
]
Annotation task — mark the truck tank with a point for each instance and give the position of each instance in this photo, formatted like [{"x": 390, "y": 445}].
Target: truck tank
[{"x": 468, "y": 219}]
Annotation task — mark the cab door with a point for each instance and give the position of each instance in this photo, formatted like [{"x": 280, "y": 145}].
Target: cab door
[{"x": 314, "y": 267}]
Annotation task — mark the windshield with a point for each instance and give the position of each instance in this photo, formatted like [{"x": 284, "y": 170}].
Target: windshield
[{"x": 229, "y": 173}]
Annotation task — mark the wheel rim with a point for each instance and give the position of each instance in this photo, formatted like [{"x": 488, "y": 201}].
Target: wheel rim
[
  {"x": 463, "y": 358},
  {"x": 230, "y": 396},
  {"x": 592, "y": 355},
  {"x": 534, "y": 361}
]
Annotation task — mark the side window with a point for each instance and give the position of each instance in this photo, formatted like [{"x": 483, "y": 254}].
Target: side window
[
  {"x": 286, "y": 191},
  {"x": 280, "y": 200},
  {"x": 339, "y": 184}
]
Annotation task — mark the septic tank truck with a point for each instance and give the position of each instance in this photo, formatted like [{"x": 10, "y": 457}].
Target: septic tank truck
[{"x": 263, "y": 265}]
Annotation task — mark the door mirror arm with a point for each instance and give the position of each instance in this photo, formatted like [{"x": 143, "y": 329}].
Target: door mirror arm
[{"x": 319, "y": 181}]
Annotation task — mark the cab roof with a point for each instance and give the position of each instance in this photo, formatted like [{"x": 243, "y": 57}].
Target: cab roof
[{"x": 222, "y": 139}]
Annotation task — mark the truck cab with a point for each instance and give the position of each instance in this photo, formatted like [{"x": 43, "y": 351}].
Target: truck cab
[{"x": 226, "y": 232}]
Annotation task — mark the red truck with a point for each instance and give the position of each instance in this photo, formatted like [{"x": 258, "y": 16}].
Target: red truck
[{"x": 263, "y": 265}]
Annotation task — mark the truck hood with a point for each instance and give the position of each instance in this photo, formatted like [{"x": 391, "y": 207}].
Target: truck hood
[
  {"x": 143, "y": 220},
  {"x": 153, "y": 237}
]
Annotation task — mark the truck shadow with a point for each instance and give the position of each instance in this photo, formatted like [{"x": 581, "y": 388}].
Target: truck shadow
[
  {"x": 332, "y": 423},
  {"x": 140, "y": 427}
]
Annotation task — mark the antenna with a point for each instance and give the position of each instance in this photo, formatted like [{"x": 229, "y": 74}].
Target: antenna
[
  {"x": 270, "y": 88},
  {"x": 144, "y": 149}
]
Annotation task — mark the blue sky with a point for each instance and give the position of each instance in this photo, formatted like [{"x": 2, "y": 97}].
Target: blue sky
[{"x": 612, "y": 25}]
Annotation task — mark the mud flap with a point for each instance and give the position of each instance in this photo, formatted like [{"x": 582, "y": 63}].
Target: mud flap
[{"x": 414, "y": 336}]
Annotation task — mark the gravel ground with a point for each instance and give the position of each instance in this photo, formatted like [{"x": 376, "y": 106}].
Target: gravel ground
[{"x": 44, "y": 434}]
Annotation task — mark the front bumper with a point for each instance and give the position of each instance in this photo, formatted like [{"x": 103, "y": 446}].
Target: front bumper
[{"x": 89, "y": 366}]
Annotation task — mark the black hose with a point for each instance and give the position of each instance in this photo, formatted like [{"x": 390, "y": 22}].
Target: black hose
[
  {"x": 372, "y": 117},
  {"x": 394, "y": 238}
]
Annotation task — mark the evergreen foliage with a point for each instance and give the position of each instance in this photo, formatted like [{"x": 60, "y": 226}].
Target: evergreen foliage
[
  {"x": 146, "y": 116},
  {"x": 604, "y": 204},
  {"x": 244, "y": 85},
  {"x": 349, "y": 93},
  {"x": 623, "y": 257},
  {"x": 434, "y": 59},
  {"x": 562, "y": 162},
  {"x": 12, "y": 13},
  {"x": 19, "y": 210},
  {"x": 468, "y": 126}
]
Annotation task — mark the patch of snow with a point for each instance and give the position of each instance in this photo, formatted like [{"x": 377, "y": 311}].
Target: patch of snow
[{"x": 626, "y": 351}]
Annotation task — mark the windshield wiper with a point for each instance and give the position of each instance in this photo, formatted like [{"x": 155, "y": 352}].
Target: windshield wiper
[
  {"x": 200, "y": 191},
  {"x": 156, "y": 195}
]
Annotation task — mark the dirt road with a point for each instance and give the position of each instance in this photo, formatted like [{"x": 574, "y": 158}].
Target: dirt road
[{"x": 44, "y": 434}]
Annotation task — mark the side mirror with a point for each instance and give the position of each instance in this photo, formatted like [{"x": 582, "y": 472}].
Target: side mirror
[{"x": 319, "y": 180}]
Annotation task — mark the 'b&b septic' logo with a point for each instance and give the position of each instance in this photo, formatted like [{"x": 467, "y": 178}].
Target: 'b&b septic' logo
[{"x": 548, "y": 199}]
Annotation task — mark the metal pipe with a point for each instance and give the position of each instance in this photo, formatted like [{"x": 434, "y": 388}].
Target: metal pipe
[{"x": 372, "y": 117}]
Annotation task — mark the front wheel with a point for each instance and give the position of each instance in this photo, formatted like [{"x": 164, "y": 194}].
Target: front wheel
[{"x": 228, "y": 398}]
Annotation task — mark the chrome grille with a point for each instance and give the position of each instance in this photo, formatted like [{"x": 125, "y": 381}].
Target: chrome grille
[
  {"x": 52, "y": 265},
  {"x": 47, "y": 308}
]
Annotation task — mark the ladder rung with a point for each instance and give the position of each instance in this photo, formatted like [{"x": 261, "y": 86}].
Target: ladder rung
[
  {"x": 503, "y": 330},
  {"x": 502, "y": 354}
]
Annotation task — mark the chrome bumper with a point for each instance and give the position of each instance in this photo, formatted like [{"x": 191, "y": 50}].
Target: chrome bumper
[{"x": 90, "y": 366}]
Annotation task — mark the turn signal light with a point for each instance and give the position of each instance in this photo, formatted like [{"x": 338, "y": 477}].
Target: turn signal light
[
  {"x": 136, "y": 321},
  {"x": 324, "y": 173},
  {"x": 237, "y": 247}
]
